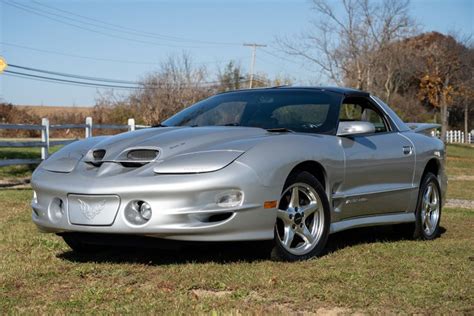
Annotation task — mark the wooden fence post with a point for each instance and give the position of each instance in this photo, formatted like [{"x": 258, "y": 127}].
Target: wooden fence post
[
  {"x": 131, "y": 124},
  {"x": 88, "y": 127},
  {"x": 45, "y": 138}
]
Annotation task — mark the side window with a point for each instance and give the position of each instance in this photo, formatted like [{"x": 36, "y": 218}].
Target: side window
[
  {"x": 313, "y": 114},
  {"x": 350, "y": 112},
  {"x": 373, "y": 117},
  {"x": 360, "y": 109}
]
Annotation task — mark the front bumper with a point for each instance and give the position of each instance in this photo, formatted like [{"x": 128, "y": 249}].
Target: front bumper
[{"x": 183, "y": 205}]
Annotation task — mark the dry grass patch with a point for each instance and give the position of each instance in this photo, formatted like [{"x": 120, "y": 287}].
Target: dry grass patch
[{"x": 371, "y": 270}]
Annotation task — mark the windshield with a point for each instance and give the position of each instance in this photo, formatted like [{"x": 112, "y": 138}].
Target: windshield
[{"x": 297, "y": 110}]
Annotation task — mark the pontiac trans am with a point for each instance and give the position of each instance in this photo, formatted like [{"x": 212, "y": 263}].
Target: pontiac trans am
[{"x": 287, "y": 164}]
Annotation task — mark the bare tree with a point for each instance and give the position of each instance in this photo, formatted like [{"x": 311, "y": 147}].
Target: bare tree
[
  {"x": 230, "y": 78},
  {"x": 343, "y": 45},
  {"x": 176, "y": 85}
]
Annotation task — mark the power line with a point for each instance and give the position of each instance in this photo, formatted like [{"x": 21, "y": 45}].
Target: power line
[
  {"x": 121, "y": 61},
  {"x": 55, "y": 82},
  {"x": 68, "y": 81},
  {"x": 32, "y": 11},
  {"x": 135, "y": 31},
  {"x": 62, "y": 74},
  {"x": 79, "y": 56},
  {"x": 279, "y": 57},
  {"x": 61, "y": 19},
  {"x": 89, "y": 78},
  {"x": 100, "y": 85}
]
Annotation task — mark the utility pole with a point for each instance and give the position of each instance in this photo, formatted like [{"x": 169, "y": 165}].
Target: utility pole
[{"x": 252, "y": 62}]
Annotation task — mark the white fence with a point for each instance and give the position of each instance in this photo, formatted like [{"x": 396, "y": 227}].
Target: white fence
[
  {"x": 456, "y": 137},
  {"x": 45, "y": 141}
]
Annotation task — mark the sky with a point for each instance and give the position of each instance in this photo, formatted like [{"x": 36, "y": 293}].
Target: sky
[{"x": 211, "y": 31}]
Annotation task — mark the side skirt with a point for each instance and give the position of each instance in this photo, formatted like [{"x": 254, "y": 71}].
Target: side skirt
[{"x": 372, "y": 221}]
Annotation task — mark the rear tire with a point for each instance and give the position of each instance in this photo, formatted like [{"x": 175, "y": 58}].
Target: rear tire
[
  {"x": 303, "y": 219},
  {"x": 428, "y": 210}
]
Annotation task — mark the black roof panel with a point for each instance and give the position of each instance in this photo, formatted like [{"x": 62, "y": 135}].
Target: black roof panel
[{"x": 340, "y": 90}]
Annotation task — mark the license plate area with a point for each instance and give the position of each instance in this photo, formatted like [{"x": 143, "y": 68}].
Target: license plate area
[{"x": 93, "y": 210}]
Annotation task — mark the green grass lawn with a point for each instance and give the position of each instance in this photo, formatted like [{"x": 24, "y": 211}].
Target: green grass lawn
[
  {"x": 460, "y": 160},
  {"x": 371, "y": 270}
]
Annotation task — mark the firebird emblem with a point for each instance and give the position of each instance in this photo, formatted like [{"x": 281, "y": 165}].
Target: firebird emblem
[{"x": 91, "y": 211}]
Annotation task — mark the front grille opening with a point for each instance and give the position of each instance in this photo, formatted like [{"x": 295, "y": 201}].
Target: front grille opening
[
  {"x": 98, "y": 154},
  {"x": 142, "y": 154},
  {"x": 218, "y": 217}
]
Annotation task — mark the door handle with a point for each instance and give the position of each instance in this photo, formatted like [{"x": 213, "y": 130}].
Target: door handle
[{"x": 407, "y": 150}]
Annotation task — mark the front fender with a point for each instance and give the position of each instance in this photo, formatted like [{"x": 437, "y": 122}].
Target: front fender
[{"x": 274, "y": 158}]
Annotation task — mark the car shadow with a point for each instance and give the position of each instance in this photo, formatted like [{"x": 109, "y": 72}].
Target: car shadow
[
  {"x": 178, "y": 253},
  {"x": 368, "y": 235},
  {"x": 184, "y": 253}
]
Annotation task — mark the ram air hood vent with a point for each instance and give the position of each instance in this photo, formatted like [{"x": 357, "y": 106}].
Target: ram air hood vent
[
  {"x": 162, "y": 143},
  {"x": 130, "y": 158}
]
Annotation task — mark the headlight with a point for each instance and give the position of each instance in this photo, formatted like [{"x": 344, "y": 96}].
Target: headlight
[
  {"x": 62, "y": 164},
  {"x": 198, "y": 162},
  {"x": 66, "y": 159},
  {"x": 231, "y": 198}
]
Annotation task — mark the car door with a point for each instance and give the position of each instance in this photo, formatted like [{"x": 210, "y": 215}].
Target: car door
[{"x": 379, "y": 166}]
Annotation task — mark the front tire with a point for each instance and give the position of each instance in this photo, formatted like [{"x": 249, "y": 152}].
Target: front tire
[
  {"x": 428, "y": 210},
  {"x": 303, "y": 219}
]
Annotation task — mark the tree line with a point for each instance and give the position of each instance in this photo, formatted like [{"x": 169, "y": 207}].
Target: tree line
[
  {"x": 374, "y": 46},
  {"x": 377, "y": 46}
]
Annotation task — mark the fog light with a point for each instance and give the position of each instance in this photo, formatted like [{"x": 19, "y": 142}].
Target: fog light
[
  {"x": 56, "y": 210},
  {"x": 138, "y": 212},
  {"x": 230, "y": 198}
]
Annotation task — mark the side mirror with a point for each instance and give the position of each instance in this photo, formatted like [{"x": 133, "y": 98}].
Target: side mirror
[{"x": 347, "y": 128}]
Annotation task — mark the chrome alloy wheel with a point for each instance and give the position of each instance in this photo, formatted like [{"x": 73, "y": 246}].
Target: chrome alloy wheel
[
  {"x": 430, "y": 208},
  {"x": 300, "y": 219}
]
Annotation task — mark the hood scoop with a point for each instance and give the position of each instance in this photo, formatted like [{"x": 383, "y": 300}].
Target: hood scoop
[
  {"x": 129, "y": 158},
  {"x": 142, "y": 154},
  {"x": 98, "y": 154}
]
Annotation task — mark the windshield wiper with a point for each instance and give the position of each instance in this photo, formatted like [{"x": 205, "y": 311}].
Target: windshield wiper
[
  {"x": 159, "y": 125},
  {"x": 279, "y": 130}
]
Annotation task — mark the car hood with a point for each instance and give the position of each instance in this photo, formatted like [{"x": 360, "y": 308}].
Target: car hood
[{"x": 173, "y": 141}]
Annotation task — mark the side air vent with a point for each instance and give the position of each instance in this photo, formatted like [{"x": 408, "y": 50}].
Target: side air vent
[
  {"x": 142, "y": 154},
  {"x": 98, "y": 154}
]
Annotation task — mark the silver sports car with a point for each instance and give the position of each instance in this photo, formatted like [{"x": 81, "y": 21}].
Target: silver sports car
[{"x": 288, "y": 164}]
